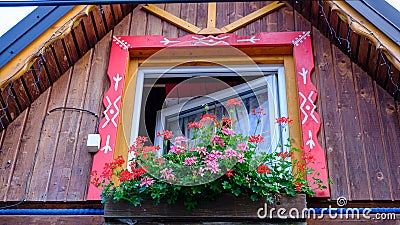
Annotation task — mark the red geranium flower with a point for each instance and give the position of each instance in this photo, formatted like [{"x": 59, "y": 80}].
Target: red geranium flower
[
  {"x": 256, "y": 139},
  {"x": 229, "y": 173},
  {"x": 226, "y": 121},
  {"x": 208, "y": 117},
  {"x": 263, "y": 169},
  {"x": 125, "y": 176},
  {"x": 166, "y": 134},
  {"x": 192, "y": 125},
  {"x": 283, "y": 120},
  {"x": 283, "y": 154}
]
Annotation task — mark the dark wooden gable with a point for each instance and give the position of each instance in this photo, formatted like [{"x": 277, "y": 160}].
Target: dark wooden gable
[{"x": 360, "y": 129}]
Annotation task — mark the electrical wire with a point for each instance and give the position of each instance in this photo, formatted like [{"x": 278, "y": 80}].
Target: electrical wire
[
  {"x": 28, "y": 176},
  {"x": 369, "y": 32}
]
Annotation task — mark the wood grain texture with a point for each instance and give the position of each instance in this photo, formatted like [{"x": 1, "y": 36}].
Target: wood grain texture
[
  {"x": 108, "y": 17},
  {"x": 201, "y": 15},
  {"x": 188, "y": 10},
  {"x": 27, "y": 149},
  {"x": 117, "y": 12},
  {"x": 52, "y": 220},
  {"x": 170, "y": 30},
  {"x": 391, "y": 131},
  {"x": 122, "y": 28},
  {"x": 60, "y": 56},
  {"x": 10, "y": 102},
  {"x": 72, "y": 50},
  {"x": 50, "y": 65},
  {"x": 154, "y": 24},
  {"x": 97, "y": 84},
  {"x": 350, "y": 125},
  {"x": 222, "y": 18},
  {"x": 286, "y": 19},
  {"x": 98, "y": 21},
  {"x": 269, "y": 23},
  {"x": 330, "y": 117},
  {"x": 239, "y": 13},
  {"x": 33, "y": 89},
  {"x": 81, "y": 42},
  {"x": 139, "y": 22},
  {"x": 224, "y": 208},
  {"x": 363, "y": 52},
  {"x": 9, "y": 152},
  {"x": 21, "y": 93},
  {"x": 70, "y": 127},
  {"x": 48, "y": 146},
  {"x": 372, "y": 137},
  {"x": 90, "y": 30}
]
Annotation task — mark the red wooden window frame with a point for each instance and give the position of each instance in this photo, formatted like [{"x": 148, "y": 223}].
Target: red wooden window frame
[{"x": 301, "y": 45}]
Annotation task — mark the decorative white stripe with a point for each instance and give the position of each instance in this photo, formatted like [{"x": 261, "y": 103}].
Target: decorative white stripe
[
  {"x": 252, "y": 40},
  {"x": 107, "y": 148},
  {"x": 310, "y": 141},
  {"x": 166, "y": 41},
  {"x": 117, "y": 113},
  {"x": 301, "y": 38},
  {"x": 314, "y": 107},
  {"x": 117, "y": 79},
  {"x": 303, "y": 73},
  {"x": 106, "y": 112},
  {"x": 306, "y": 115},
  {"x": 210, "y": 40},
  {"x": 302, "y": 108},
  {"x": 122, "y": 44}
]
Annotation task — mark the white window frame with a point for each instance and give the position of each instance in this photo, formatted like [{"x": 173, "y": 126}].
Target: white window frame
[{"x": 166, "y": 72}]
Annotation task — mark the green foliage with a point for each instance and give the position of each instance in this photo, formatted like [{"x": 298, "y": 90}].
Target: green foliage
[{"x": 216, "y": 160}]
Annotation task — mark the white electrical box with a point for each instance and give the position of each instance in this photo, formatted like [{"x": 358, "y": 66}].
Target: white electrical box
[{"x": 93, "y": 143}]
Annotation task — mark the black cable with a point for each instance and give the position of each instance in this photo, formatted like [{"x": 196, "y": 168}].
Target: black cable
[{"x": 28, "y": 176}]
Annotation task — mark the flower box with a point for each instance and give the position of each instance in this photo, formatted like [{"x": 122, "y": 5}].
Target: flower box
[{"x": 226, "y": 208}]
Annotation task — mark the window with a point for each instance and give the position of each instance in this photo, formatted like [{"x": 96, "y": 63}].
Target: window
[
  {"x": 291, "y": 49},
  {"x": 170, "y": 98}
]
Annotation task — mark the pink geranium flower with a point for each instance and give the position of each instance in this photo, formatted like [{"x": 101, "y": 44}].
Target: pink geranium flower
[
  {"x": 146, "y": 181},
  {"x": 190, "y": 161}
]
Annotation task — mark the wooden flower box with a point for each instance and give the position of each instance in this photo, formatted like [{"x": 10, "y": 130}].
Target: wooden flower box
[{"x": 226, "y": 208}]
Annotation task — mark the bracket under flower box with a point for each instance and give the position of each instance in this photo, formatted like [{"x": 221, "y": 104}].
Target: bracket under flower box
[{"x": 225, "y": 208}]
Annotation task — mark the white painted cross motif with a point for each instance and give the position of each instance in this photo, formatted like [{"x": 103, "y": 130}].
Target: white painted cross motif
[
  {"x": 117, "y": 79},
  {"x": 308, "y": 107},
  {"x": 303, "y": 73},
  {"x": 310, "y": 141},
  {"x": 107, "y": 148},
  {"x": 111, "y": 111}
]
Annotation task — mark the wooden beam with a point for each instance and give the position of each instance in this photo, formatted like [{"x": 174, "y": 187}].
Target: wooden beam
[
  {"x": 212, "y": 14},
  {"x": 292, "y": 98},
  {"x": 252, "y": 17},
  {"x": 171, "y": 18}
]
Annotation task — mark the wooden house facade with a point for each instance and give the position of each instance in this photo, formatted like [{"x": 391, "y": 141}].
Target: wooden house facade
[{"x": 51, "y": 102}]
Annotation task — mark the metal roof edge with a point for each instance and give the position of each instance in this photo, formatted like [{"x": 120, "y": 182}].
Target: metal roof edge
[
  {"x": 381, "y": 14},
  {"x": 28, "y": 29}
]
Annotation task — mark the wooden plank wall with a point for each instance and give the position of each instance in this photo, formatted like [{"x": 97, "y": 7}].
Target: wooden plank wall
[
  {"x": 57, "y": 59},
  {"x": 360, "y": 130}
]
